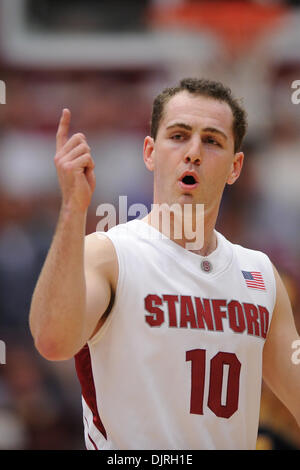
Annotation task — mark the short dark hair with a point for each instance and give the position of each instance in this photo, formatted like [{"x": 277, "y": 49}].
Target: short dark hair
[{"x": 210, "y": 89}]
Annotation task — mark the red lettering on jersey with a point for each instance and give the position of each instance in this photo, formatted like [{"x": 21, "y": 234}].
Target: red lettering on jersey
[
  {"x": 216, "y": 381},
  {"x": 208, "y": 314},
  {"x": 204, "y": 312},
  {"x": 251, "y": 313},
  {"x": 157, "y": 315},
  {"x": 187, "y": 313},
  {"x": 171, "y": 299},
  {"x": 264, "y": 320},
  {"x": 218, "y": 313},
  {"x": 236, "y": 316}
]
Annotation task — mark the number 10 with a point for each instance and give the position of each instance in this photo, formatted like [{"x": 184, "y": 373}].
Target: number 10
[{"x": 198, "y": 360}]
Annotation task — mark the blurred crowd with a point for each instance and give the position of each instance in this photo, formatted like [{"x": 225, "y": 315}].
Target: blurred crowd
[{"x": 252, "y": 46}]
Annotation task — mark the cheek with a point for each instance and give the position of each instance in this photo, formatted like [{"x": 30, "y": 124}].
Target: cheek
[
  {"x": 164, "y": 162},
  {"x": 163, "y": 173},
  {"x": 217, "y": 170}
]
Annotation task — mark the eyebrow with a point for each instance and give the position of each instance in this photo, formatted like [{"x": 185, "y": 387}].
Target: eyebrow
[
  {"x": 215, "y": 131},
  {"x": 206, "y": 129},
  {"x": 180, "y": 124}
]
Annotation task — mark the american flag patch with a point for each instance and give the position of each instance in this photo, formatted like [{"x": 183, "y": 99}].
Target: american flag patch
[{"x": 254, "y": 280}]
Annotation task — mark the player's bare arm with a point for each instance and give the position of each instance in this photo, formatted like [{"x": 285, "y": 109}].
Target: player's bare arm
[
  {"x": 70, "y": 298},
  {"x": 279, "y": 372}
]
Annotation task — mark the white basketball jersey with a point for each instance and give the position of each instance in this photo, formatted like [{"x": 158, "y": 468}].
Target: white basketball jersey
[{"x": 178, "y": 362}]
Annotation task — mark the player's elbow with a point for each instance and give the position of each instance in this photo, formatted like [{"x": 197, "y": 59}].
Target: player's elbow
[{"x": 53, "y": 349}]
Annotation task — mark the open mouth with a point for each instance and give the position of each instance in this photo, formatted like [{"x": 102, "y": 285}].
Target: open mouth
[{"x": 189, "y": 180}]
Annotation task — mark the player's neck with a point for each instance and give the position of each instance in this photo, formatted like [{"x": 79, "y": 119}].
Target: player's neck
[{"x": 193, "y": 231}]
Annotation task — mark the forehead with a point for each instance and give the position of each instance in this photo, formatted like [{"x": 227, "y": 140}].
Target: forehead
[{"x": 197, "y": 110}]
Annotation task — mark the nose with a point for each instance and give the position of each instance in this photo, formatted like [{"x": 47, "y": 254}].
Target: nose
[
  {"x": 193, "y": 154},
  {"x": 196, "y": 160}
]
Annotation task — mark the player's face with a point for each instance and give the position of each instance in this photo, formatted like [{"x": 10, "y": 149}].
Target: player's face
[{"x": 193, "y": 155}]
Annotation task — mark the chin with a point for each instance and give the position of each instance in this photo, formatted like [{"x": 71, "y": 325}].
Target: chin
[{"x": 187, "y": 198}]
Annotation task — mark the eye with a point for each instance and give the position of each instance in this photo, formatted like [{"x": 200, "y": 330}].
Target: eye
[
  {"x": 178, "y": 137},
  {"x": 211, "y": 140}
]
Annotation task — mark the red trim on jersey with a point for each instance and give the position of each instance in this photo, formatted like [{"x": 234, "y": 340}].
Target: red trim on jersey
[
  {"x": 85, "y": 375},
  {"x": 96, "y": 448}
]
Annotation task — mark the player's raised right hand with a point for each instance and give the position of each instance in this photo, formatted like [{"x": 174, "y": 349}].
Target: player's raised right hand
[{"x": 74, "y": 165}]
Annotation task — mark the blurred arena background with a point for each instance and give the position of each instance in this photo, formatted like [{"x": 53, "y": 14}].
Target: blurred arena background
[{"x": 106, "y": 60}]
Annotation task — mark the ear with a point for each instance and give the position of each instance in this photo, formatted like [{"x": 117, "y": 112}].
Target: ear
[
  {"x": 149, "y": 153},
  {"x": 236, "y": 168}
]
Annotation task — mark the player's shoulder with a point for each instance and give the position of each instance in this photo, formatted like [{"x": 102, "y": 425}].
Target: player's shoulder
[
  {"x": 255, "y": 262},
  {"x": 249, "y": 252},
  {"x": 99, "y": 249},
  {"x": 107, "y": 244},
  {"x": 251, "y": 258},
  {"x": 97, "y": 241}
]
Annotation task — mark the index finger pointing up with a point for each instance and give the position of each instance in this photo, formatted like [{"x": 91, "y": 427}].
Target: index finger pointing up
[{"x": 63, "y": 129}]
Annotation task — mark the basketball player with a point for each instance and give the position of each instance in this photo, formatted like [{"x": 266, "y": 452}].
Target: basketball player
[{"x": 170, "y": 344}]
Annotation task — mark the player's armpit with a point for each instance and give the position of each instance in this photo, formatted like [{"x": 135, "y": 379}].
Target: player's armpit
[
  {"x": 280, "y": 373},
  {"x": 101, "y": 275}
]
